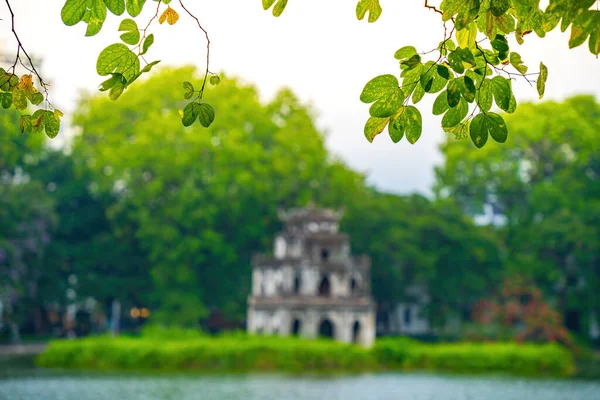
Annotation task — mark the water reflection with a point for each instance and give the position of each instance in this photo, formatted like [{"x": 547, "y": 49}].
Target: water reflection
[{"x": 365, "y": 387}]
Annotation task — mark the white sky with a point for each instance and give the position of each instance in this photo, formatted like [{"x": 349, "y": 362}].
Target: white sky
[{"x": 317, "y": 47}]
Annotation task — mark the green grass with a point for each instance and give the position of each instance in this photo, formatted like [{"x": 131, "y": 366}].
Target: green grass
[{"x": 241, "y": 353}]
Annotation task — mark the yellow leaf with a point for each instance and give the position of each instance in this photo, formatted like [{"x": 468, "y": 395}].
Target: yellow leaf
[
  {"x": 169, "y": 15},
  {"x": 26, "y": 83}
]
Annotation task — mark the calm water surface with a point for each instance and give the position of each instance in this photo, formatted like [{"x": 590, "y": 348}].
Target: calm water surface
[{"x": 364, "y": 387}]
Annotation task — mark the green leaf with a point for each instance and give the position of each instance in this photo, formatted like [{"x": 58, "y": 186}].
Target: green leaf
[
  {"x": 455, "y": 61},
  {"x": 378, "y": 87},
  {"x": 189, "y": 90},
  {"x": 96, "y": 18},
  {"x": 35, "y": 97},
  {"x": 190, "y": 113},
  {"x": 541, "y": 81},
  {"x": 440, "y": 105},
  {"x": 468, "y": 89},
  {"x": 413, "y": 124},
  {"x": 374, "y": 126},
  {"x": 51, "y": 124},
  {"x": 443, "y": 71},
  {"x": 405, "y": 53},
  {"x": 500, "y": 43},
  {"x": 132, "y": 35},
  {"x": 587, "y": 23},
  {"x": 149, "y": 66},
  {"x": 466, "y": 37},
  {"x": 110, "y": 82},
  {"x": 396, "y": 129},
  {"x": 116, "y": 7},
  {"x": 214, "y": 80},
  {"x": 460, "y": 131},
  {"x": 147, "y": 43},
  {"x": 372, "y": 6},
  {"x": 117, "y": 58},
  {"x": 488, "y": 123},
  {"x": 485, "y": 96},
  {"x": 19, "y": 98},
  {"x": 408, "y": 120},
  {"x": 6, "y": 100},
  {"x": 73, "y": 11},
  {"x": 499, "y": 7},
  {"x": 388, "y": 105},
  {"x": 411, "y": 62},
  {"x": 418, "y": 94},
  {"x": 25, "y": 123},
  {"x": 134, "y": 7},
  {"x": 267, "y": 4},
  {"x": 38, "y": 120},
  {"x": 453, "y": 93},
  {"x": 206, "y": 115},
  {"x": 454, "y": 115},
  {"x": 431, "y": 80},
  {"x": 501, "y": 88},
  {"x": 116, "y": 90},
  {"x": 279, "y": 7},
  {"x": 466, "y": 56},
  {"x": 517, "y": 63}
]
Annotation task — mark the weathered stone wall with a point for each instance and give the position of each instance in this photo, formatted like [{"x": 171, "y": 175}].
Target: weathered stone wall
[
  {"x": 280, "y": 321},
  {"x": 281, "y": 281}
]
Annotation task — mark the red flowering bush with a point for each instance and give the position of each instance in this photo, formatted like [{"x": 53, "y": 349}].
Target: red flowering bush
[{"x": 519, "y": 312}]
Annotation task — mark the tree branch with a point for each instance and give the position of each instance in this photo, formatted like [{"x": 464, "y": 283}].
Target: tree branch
[
  {"x": 206, "y": 72},
  {"x": 21, "y": 48},
  {"x": 433, "y": 8}
]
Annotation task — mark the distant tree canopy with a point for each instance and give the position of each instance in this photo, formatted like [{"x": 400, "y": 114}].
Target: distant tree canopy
[
  {"x": 545, "y": 185},
  {"x": 171, "y": 224},
  {"x": 470, "y": 70},
  {"x": 200, "y": 205}
]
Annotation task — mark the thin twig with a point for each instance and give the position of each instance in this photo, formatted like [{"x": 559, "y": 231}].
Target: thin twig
[
  {"x": 18, "y": 57},
  {"x": 433, "y": 8},
  {"x": 146, "y": 28},
  {"x": 207, "y": 46}
]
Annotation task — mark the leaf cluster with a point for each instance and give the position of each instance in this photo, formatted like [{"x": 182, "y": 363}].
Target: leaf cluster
[
  {"x": 122, "y": 62},
  {"x": 475, "y": 66},
  {"x": 21, "y": 94}
]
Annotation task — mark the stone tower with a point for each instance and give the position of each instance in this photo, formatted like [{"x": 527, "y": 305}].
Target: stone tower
[{"x": 312, "y": 286}]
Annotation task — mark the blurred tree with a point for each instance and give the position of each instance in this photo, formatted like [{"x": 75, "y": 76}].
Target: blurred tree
[
  {"x": 419, "y": 242},
  {"x": 518, "y": 312},
  {"x": 85, "y": 247},
  {"x": 26, "y": 219},
  {"x": 201, "y": 203},
  {"x": 545, "y": 185}
]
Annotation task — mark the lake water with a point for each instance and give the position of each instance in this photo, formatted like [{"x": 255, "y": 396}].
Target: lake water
[{"x": 363, "y": 387}]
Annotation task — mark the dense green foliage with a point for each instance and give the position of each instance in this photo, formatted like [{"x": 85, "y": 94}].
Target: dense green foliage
[
  {"x": 472, "y": 69},
  {"x": 165, "y": 218},
  {"x": 420, "y": 242},
  {"x": 203, "y": 204},
  {"x": 238, "y": 352},
  {"x": 546, "y": 186}
]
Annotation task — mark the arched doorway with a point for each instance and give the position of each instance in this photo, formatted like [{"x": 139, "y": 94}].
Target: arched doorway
[
  {"x": 326, "y": 329},
  {"x": 296, "y": 326},
  {"x": 297, "y": 284},
  {"x": 356, "y": 332},
  {"x": 324, "y": 287}
]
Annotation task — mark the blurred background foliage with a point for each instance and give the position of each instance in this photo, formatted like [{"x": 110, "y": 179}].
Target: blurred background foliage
[{"x": 162, "y": 218}]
